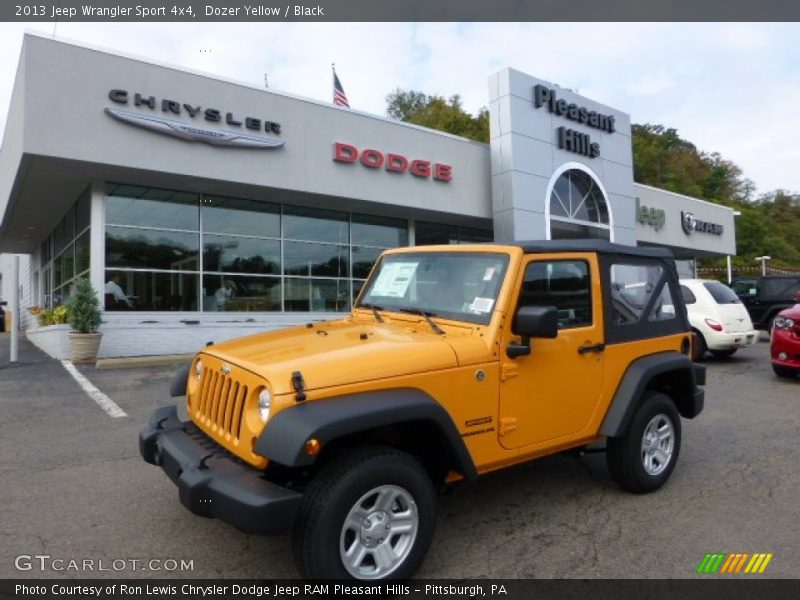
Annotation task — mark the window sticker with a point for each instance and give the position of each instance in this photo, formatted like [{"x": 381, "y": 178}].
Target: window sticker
[
  {"x": 482, "y": 305},
  {"x": 394, "y": 279},
  {"x": 488, "y": 274}
]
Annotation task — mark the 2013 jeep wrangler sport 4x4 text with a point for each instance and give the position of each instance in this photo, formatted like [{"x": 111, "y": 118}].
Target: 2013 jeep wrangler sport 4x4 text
[{"x": 455, "y": 361}]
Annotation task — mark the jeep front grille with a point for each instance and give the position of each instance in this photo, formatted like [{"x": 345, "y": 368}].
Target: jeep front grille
[{"x": 220, "y": 406}]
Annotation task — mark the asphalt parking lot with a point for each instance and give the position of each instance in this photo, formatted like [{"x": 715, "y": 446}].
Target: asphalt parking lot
[{"x": 74, "y": 487}]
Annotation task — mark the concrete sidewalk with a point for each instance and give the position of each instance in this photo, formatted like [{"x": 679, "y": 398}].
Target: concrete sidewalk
[{"x": 33, "y": 369}]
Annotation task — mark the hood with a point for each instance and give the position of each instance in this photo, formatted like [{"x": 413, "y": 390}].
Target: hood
[
  {"x": 793, "y": 312},
  {"x": 335, "y": 353}
]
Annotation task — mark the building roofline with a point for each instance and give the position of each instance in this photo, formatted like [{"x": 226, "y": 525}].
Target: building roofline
[
  {"x": 655, "y": 189},
  {"x": 215, "y": 77}
]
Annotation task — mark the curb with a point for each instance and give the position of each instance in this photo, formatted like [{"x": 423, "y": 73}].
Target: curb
[{"x": 129, "y": 362}]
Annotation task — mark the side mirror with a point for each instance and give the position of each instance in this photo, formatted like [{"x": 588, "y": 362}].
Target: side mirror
[{"x": 532, "y": 321}]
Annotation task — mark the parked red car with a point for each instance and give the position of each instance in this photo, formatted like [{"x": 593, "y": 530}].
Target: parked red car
[{"x": 785, "y": 341}]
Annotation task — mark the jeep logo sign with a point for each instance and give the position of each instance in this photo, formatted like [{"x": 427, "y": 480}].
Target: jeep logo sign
[
  {"x": 690, "y": 224},
  {"x": 647, "y": 215}
]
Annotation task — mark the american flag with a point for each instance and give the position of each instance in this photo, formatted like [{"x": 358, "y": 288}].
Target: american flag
[{"x": 339, "y": 97}]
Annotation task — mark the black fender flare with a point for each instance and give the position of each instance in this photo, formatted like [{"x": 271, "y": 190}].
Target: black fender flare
[
  {"x": 688, "y": 397},
  {"x": 178, "y": 385},
  {"x": 284, "y": 436}
]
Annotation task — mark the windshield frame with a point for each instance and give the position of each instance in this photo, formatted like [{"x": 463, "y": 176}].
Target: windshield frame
[{"x": 464, "y": 317}]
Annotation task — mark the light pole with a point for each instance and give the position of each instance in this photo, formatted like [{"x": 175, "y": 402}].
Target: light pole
[
  {"x": 736, "y": 213},
  {"x": 763, "y": 260}
]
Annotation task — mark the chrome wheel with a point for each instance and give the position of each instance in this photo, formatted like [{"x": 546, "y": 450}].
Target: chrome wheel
[
  {"x": 658, "y": 444},
  {"x": 379, "y": 532}
]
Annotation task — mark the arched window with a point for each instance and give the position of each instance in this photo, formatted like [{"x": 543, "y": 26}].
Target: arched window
[{"x": 578, "y": 207}]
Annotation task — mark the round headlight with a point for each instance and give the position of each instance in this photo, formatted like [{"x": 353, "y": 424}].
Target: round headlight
[
  {"x": 198, "y": 369},
  {"x": 264, "y": 401}
]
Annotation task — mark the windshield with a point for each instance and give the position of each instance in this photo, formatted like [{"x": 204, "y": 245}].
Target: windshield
[{"x": 454, "y": 285}]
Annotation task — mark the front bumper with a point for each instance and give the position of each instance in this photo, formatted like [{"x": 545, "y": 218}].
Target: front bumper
[
  {"x": 785, "y": 349},
  {"x": 211, "y": 481},
  {"x": 730, "y": 341}
]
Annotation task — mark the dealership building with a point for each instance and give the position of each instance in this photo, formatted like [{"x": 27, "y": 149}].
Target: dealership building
[{"x": 203, "y": 209}]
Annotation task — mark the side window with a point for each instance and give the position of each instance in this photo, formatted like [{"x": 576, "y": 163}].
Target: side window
[
  {"x": 688, "y": 295},
  {"x": 745, "y": 287},
  {"x": 564, "y": 284},
  {"x": 632, "y": 288}
]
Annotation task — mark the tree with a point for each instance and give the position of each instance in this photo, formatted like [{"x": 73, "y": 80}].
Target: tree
[
  {"x": 438, "y": 113},
  {"x": 663, "y": 159}
]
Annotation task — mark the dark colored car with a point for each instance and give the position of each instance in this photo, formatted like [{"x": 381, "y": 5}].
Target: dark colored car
[{"x": 765, "y": 297}]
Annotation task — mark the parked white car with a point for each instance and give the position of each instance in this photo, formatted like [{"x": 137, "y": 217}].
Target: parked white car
[{"x": 717, "y": 316}]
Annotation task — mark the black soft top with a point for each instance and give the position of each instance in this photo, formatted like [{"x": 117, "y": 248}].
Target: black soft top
[{"x": 592, "y": 245}]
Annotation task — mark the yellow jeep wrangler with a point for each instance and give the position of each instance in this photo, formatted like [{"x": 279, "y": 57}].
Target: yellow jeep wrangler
[{"x": 455, "y": 361}]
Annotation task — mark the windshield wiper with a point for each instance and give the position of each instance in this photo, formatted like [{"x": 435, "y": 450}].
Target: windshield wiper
[
  {"x": 418, "y": 311},
  {"x": 374, "y": 308}
]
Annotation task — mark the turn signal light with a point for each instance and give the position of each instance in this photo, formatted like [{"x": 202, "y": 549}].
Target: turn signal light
[{"x": 313, "y": 447}]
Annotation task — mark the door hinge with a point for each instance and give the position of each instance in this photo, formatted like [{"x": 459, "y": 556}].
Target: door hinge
[
  {"x": 508, "y": 371},
  {"x": 507, "y": 425}
]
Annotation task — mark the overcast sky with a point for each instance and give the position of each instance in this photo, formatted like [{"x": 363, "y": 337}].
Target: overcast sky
[{"x": 729, "y": 88}]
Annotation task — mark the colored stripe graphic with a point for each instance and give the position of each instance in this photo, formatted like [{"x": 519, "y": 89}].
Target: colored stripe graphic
[
  {"x": 758, "y": 563},
  {"x": 734, "y": 562},
  {"x": 711, "y": 562}
]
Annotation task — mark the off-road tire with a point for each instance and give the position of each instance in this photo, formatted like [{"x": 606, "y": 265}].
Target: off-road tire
[
  {"x": 334, "y": 491},
  {"x": 787, "y": 372},
  {"x": 700, "y": 346},
  {"x": 723, "y": 353},
  {"x": 624, "y": 455}
]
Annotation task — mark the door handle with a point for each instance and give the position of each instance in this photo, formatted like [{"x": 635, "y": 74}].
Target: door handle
[{"x": 591, "y": 348}]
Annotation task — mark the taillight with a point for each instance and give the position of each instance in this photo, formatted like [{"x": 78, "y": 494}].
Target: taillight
[{"x": 715, "y": 325}]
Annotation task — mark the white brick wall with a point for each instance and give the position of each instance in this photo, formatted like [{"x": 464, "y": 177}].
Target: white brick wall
[
  {"x": 142, "y": 334},
  {"x": 25, "y": 282}
]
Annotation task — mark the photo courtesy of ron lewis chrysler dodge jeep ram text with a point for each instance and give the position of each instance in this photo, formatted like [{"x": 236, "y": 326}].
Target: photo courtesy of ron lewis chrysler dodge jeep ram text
[{"x": 455, "y": 362}]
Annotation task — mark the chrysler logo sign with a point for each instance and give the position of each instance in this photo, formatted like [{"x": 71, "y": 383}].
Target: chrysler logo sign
[
  {"x": 190, "y": 131},
  {"x": 193, "y": 133},
  {"x": 690, "y": 224}
]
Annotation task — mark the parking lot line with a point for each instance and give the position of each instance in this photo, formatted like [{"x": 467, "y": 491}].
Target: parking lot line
[{"x": 103, "y": 401}]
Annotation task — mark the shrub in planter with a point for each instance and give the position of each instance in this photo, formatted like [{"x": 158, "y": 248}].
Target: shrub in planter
[{"x": 83, "y": 315}]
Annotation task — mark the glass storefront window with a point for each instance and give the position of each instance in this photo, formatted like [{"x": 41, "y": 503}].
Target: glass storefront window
[
  {"x": 142, "y": 212},
  {"x": 151, "y": 249},
  {"x": 68, "y": 263},
  {"x": 323, "y": 295},
  {"x": 241, "y": 255},
  {"x": 326, "y": 260},
  {"x": 239, "y": 293},
  {"x": 82, "y": 253},
  {"x": 363, "y": 260},
  {"x": 240, "y": 217},
  {"x": 315, "y": 225},
  {"x": 142, "y": 290},
  {"x": 436, "y": 233},
  {"x": 379, "y": 231}
]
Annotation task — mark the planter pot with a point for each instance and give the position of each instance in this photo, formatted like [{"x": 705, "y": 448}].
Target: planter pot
[{"x": 84, "y": 346}]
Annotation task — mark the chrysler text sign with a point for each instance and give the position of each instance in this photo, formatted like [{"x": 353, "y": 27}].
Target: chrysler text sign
[
  {"x": 158, "y": 121},
  {"x": 394, "y": 163}
]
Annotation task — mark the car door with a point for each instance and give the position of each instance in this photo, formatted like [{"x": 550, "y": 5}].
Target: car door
[{"x": 553, "y": 392}]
